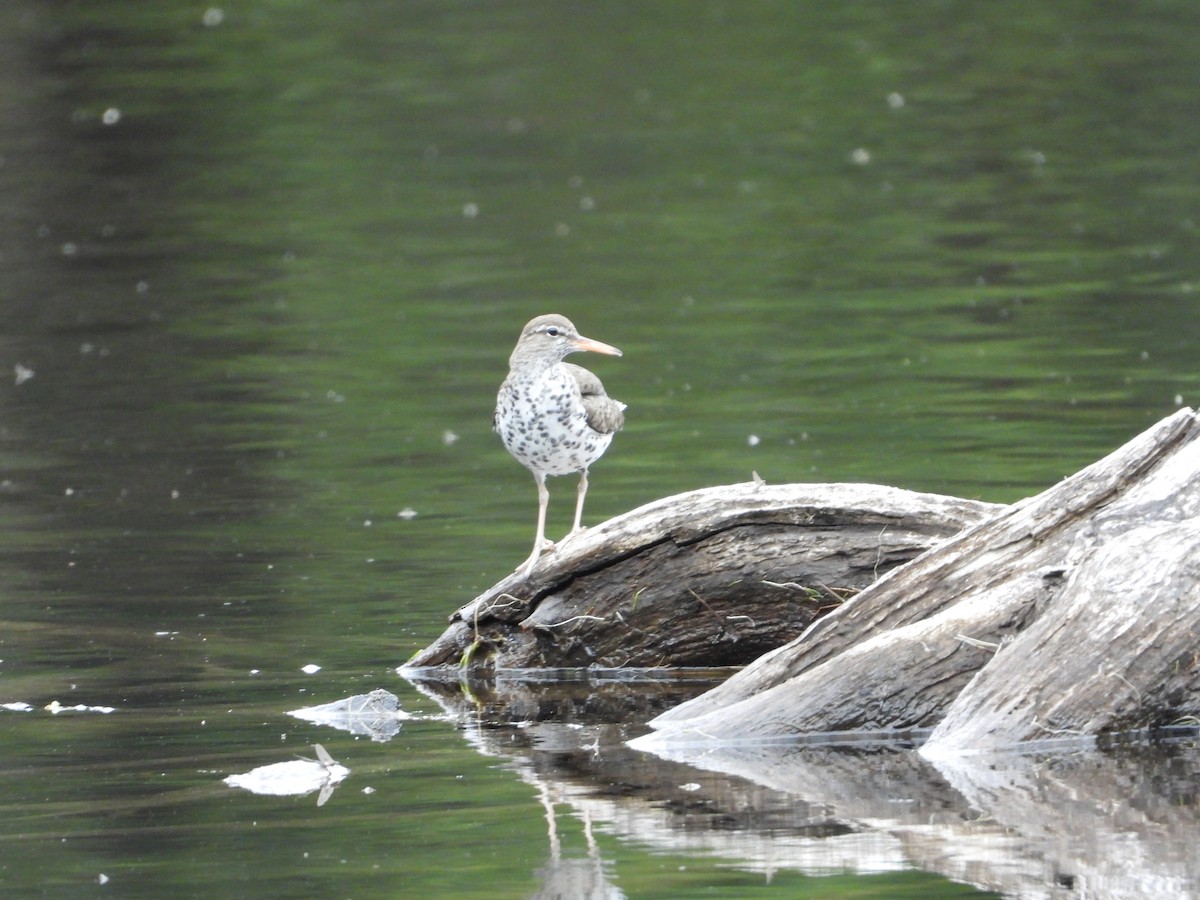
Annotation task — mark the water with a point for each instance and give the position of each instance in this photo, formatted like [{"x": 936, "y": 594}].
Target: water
[{"x": 262, "y": 267}]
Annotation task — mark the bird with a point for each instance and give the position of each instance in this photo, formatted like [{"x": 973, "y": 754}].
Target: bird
[{"x": 554, "y": 417}]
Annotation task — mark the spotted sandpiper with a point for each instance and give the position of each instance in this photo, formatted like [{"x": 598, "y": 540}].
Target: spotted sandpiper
[{"x": 552, "y": 416}]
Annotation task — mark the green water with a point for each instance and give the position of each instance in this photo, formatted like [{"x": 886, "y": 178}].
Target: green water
[{"x": 266, "y": 263}]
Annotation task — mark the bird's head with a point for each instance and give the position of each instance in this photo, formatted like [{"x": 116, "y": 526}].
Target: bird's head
[{"x": 553, "y": 337}]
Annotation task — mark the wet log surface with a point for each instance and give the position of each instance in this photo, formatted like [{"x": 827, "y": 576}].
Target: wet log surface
[
  {"x": 1072, "y": 613},
  {"x": 714, "y": 577}
]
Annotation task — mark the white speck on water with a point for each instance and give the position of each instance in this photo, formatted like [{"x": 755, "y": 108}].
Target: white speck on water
[
  {"x": 102, "y": 878},
  {"x": 69, "y": 492},
  {"x": 213, "y": 16},
  {"x": 562, "y": 229},
  {"x": 449, "y": 437},
  {"x": 407, "y": 513},
  {"x": 895, "y": 100},
  {"x": 175, "y": 495},
  {"x": 142, "y": 287},
  {"x": 17, "y": 707},
  {"x": 368, "y": 790},
  {"x": 367, "y": 523},
  {"x": 54, "y": 708},
  {"x": 860, "y": 156},
  {"x": 70, "y": 248},
  {"x": 470, "y": 210},
  {"x": 21, "y": 374},
  {"x": 587, "y": 204},
  {"x": 690, "y": 786},
  {"x": 111, "y": 116},
  {"x": 310, "y": 669},
  {"x": 753, "y": 440},
  {"x": 1179, "y": 399}
]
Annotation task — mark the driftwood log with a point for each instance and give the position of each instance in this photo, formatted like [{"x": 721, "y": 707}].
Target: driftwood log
[
  {"x": 714, "y": 577},
  {"x": 1072, "y": 613}
]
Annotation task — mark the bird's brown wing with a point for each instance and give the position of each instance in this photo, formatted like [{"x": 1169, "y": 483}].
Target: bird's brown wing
[{"x": 604, "y": 414}]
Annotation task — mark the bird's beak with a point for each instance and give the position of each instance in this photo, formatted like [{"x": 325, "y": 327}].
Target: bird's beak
[{"x": 583, "y": 343}]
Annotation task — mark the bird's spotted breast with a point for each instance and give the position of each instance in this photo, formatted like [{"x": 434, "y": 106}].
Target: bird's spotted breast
[{"x": 542, "y": 421}]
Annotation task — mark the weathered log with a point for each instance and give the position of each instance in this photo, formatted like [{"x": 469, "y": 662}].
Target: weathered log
[
  {"x": 713, "y": 577},
  {"x": 1076, "y": 611}
]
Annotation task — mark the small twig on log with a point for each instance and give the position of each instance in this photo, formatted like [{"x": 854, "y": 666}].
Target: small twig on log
[
  {"x": 712, "y": 612},
  {"x": 1129, "y": 684},
  {"x": 1072, "y": 732},
  {"x": 570, "y": 620},
  {"x": 841, "y": 594},
  {"x": 513, "y": 601},
  {"x": 879, "y": 553},
  {"x": 809, "y": 593},
  {"x": 976, "y": 642}
]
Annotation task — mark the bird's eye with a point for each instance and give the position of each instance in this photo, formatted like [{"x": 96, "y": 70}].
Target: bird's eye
[{"x": 553, "y": 331}]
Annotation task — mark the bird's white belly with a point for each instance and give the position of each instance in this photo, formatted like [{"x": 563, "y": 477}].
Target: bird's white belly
[{"x": 542, "y": 423}]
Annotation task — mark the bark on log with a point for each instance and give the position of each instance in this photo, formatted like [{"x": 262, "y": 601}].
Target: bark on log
[
  {"x": 1076, "y": 612},
  {"x": 714, "y": 577}
]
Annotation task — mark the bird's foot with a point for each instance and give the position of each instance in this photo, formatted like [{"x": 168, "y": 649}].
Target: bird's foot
[{"x": 547, "y": 546}]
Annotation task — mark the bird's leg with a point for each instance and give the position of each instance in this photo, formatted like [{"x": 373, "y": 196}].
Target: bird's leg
[
  {"x": 540, "y": 543},
  {"x": 582, "y": 492}
]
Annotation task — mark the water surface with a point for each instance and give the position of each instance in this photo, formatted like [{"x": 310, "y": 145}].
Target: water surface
[{"x": 261, "y": 268}]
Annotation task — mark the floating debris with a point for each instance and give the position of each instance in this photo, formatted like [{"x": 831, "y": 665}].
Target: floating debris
[
  {"x": 310, "y": 669},
  {"x": 295, "y": 778},
  {"x": 17, "y": 707},
  {"x": 54, "y": 707},
  {"x": 377, "y": 715}
]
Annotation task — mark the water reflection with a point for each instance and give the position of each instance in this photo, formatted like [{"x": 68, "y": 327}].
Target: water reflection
[{"x": 1117, "y": 823}]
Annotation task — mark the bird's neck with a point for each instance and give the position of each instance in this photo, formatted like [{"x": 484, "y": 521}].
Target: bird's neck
[{"x": 520, "y": 364}]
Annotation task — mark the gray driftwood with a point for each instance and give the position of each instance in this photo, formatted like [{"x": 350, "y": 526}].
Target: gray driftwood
[
  {"x": 1074, "y": 612},
  {"x": 714, "y": 577}
]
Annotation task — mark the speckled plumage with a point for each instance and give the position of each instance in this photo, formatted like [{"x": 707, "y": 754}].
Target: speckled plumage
[{"x": 552, "y": 416}]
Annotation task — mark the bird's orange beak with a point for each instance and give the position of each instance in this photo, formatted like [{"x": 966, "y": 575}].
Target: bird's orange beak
[{"x": 583, "y": 343}]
